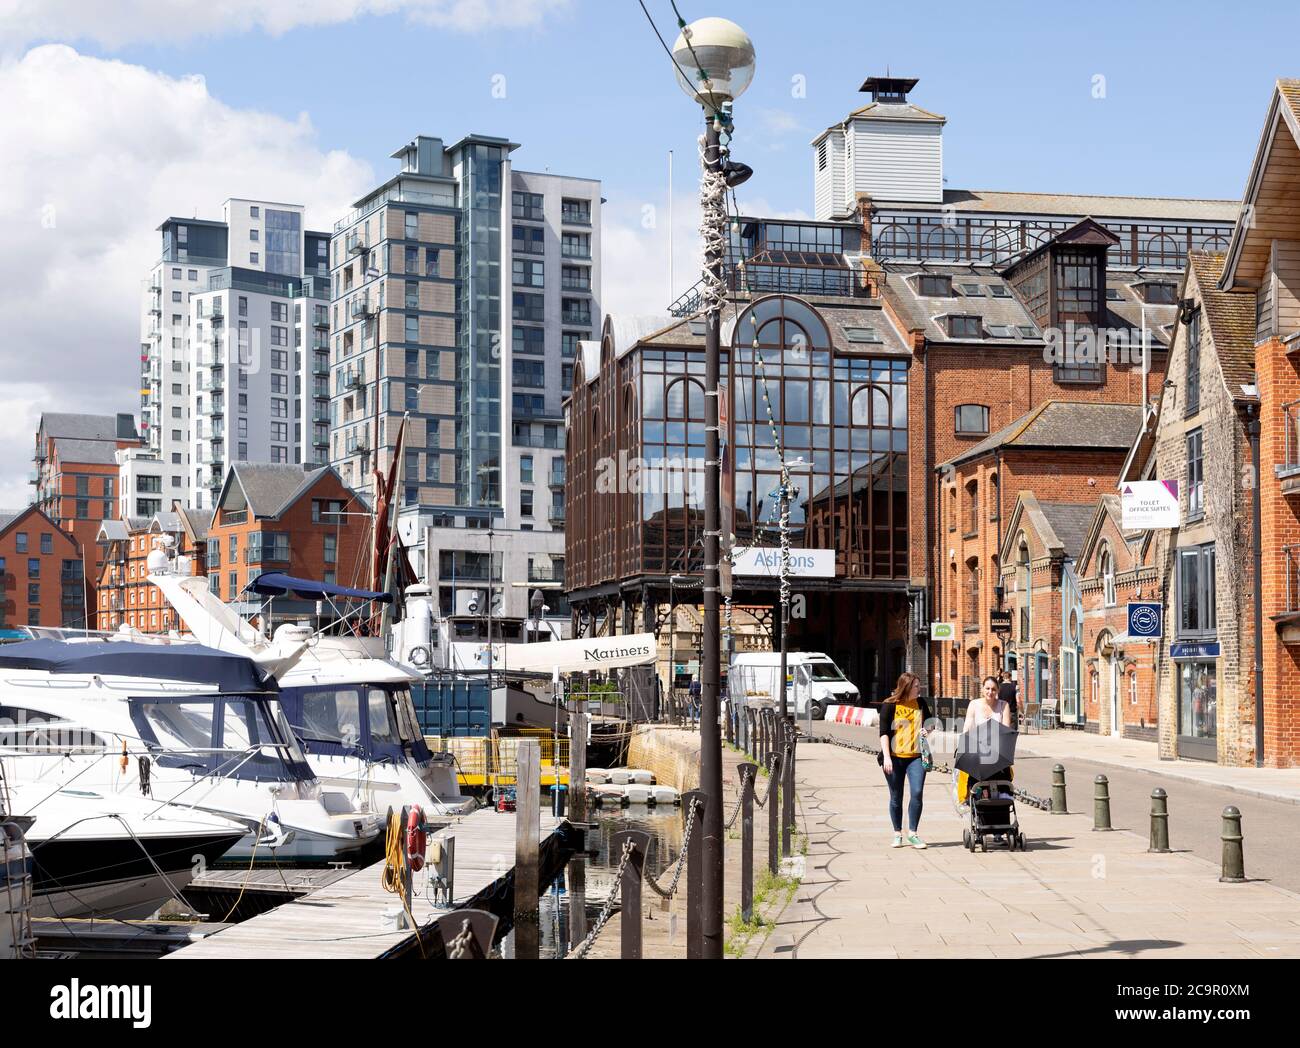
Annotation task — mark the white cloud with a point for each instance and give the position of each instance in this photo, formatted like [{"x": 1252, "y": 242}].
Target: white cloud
[
  {"x": 634, "y": 250},
  {"x": 123, "y": 22},
  {"x": 100, "y": 152}
]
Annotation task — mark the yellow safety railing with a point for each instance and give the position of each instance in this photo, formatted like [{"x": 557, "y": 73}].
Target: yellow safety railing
[{"x": 495, "y": 761}]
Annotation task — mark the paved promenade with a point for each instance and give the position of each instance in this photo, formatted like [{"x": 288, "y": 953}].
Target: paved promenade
[
  {"x": 1282, "y": 784},
  {"x": 1074, "y": 893}
]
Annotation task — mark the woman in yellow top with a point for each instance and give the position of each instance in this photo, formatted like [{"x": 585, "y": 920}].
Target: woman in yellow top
[{"x": 902, "y": 724}]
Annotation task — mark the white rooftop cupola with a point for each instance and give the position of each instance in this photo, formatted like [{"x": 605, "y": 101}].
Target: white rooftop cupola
[{"x": 889, "y": 149}]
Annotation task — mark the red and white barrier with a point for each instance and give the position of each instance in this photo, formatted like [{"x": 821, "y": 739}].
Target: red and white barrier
[{"x": 863, "y": 716}]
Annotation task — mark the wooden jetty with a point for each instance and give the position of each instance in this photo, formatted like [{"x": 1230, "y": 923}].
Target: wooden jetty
[{"x": 345, "y": 918}]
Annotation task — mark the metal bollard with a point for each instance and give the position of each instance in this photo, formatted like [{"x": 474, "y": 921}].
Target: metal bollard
[
  {"x": 1058, "y": 790},
  {"x": 1234, "y": 860},
  {"x": 1159, "y": 821},
  {"x": 630, "y": 890},
  {"x": 773, "y": 825},
  {"x": 749, "y": 775},
  {"x": 694, "y": 875},
  {"x": 1101, "y": 804}
]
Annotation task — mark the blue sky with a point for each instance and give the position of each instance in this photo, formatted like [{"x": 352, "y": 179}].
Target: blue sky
[
  {"x": 168, "y": 107},
  {"x": 589, "y": 90}
]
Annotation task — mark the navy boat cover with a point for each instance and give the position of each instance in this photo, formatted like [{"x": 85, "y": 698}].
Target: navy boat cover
[
  {"x": 275, "y": 583},
  {"x": 184, "y": 662}
]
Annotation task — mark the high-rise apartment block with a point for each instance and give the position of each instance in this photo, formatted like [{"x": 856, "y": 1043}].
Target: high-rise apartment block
[
  {"x": 462, "y": 288},
  {"x": 234, "y": 340}
]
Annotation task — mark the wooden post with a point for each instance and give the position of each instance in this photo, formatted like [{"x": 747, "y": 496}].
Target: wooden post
[
  {"x": 528, "y": 828},
  {"x": 787, "y": 790},
  {"x": 773, "y": 823},
  {"x": 630, "y": 889},
  {"x": 749, "y": 775},
  {"x": 578, "y": 721},
  {"x": 694, "y": 875}
]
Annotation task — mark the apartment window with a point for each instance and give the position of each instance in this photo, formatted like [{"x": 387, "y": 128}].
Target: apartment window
[
  {"x": 243, "y": 307},
  {"x": 528, "y": 273},
  {"x": 243, "y": 452},
  {"x": 577, "y": 212},
  {"x": 933, "y": 286},
  {"x": 280, "y": 312},
  {"x": 33, "y": 567},
  {"x": 528, "y": 206},
  {"x": 412, "y": 225},
  {"x": 279, "y": 383},
  {"x": 279, "y": 336},
  {"x": 575, "y": 245},
  {"x": 566, "y": 378},
  {"x": 526, "y": 503},
  {"x": 47, "y": 544},
  {"x": 331, "y": 549},
  {"x": 1193, "y": 398},
  {"x": 528, "y": 240},
  {"x": 232, "y": 586},
  {"x": 1196, "y": 596},
  {"x": 20, "y": 542},
  {"x": 530, "y": 373},
  {"x": 1195, "y": 476},
  {"x": 430, "y": 261},
  {"x": 280, "y": 431},
  {"x": 576, "y": 278},
  {"x": 280, "y": 359},
  {"x": 972, "y": 418},
  {"x": 253, "y": 235},
  {"x": 33, "y": 593},
  {"x": 177, "y": 297},
  {"x": 412, "y": 329},
  {"x": 252, "y": 258},
  {"x": 1107, "y": 571},
  {"x": 525, "y": 469},
  {"x": 176, "y": 274},
  {"x": 83, "y": 509},
  {"x": 412, "y": 294},
  {"x": 529, "y": 307},
  {"x": 529, "y": 340},
  {"x": 412, "y": 397},
  {"x": 412, "y": 255},
  {"x": 569, "y": 343}
]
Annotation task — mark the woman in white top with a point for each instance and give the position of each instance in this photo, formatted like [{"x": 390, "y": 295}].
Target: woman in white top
[{"x": 988, "y": 707}]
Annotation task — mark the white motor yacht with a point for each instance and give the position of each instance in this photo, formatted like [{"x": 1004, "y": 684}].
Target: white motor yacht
[
  {"x": 348, "y": 703},
  {"x": 180, "y": 724}
]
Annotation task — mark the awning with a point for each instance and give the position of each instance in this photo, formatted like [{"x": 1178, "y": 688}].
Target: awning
[{"x": 277, "y": 583}]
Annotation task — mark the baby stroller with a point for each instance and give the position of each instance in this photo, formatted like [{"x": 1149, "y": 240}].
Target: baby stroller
[{"x": 983, "y": 790}]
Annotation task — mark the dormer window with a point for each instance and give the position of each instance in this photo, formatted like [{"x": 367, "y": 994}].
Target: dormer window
[
  {"x": 931, "y": 285},
  {"x": 999, "y": 291},
  {"x": 960, "y": 326},
  {"x": 1160, "y": 294},
  {"x": 972, "y": 290}
]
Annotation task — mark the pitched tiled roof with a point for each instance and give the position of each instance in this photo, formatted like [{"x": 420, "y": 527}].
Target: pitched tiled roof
[
  {"x": 7, "y": 517},
  {"x": 1070, "y": 521},
  {"x": 198, "y": 521},
  {"x": 79, "y": 427},
  {"x": 270, "y": 487},
  {"x": 94, "y": 452},
  {"x": 1230, "y": 316},
  {"x": 1065, "y": 425},
  {"x": 1290, "y": 92}
]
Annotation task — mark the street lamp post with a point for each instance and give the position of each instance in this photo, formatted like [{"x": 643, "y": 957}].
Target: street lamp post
[
  {"x": 784, "y": 496},
  {"x": 715, "y": 64}
]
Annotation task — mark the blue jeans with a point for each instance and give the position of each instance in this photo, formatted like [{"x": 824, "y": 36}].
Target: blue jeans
[{"x": 911, "y": 771}]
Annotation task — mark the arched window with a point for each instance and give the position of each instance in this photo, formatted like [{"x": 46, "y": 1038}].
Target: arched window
[
  {"x": 943, "y": 242},
  {"x": 995, "y": 497},
  {"x": 972, "y": 507},
  {"x": 893, "y": 242},
  {"x": 1107, "y": 573}
]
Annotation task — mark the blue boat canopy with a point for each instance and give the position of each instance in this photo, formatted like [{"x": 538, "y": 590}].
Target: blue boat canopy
[
  {"x": 276, "y": 583},
  {"x": 184, "y": 662}
]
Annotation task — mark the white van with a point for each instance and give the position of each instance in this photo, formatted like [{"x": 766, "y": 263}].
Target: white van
[{"x": 813, "y": 681}]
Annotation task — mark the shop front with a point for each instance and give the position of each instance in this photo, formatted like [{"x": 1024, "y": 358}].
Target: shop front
[{"x": 1197, "y": 685}]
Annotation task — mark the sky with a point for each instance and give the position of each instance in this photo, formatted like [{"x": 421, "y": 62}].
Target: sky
[{"x": 117, "y": 115}]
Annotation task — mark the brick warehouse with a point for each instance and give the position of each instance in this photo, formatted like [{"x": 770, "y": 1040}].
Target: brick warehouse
[
  {"x": 979, "y": 287},
  {"x": 1262, "y": 268},
  {"x": 42, "y": 574}
]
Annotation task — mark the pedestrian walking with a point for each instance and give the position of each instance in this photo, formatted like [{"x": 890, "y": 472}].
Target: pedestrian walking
[
  {"x": 1007, "y": 692},
  {"x": 903, "y": 718}
]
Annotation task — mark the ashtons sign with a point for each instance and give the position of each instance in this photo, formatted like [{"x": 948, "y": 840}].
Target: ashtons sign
[{"x": 804, "y": 563}]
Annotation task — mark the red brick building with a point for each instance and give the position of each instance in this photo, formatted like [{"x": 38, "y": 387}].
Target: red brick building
[
  {"x": 1061, "y": 454},
  {"x": 290, "y": 518},
  {"x": 42, "y": 574},
  {"x": 76, "y": 476},
  {"x": 1117, "y": 682},
  {"x": 124, "y": 594},
  {"x": 1257, "y": 301}
]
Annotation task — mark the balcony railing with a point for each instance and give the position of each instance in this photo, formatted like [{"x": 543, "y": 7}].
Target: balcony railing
[
  {"x": 1291, "y": 554},
  {"x": 546, "y": 575},
  {"x": 570, "y": 316},
  {"x": 356, "y": 243}
]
